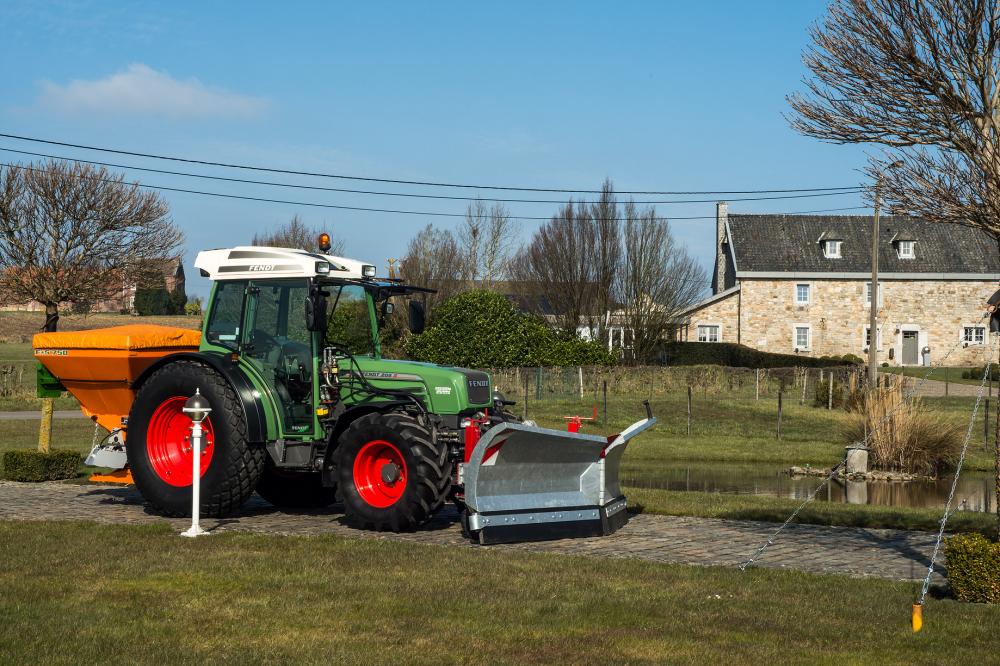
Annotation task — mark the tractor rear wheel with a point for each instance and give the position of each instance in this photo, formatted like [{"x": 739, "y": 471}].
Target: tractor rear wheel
[
  {"x": 294, "y": 490},
  {"x": 159, "y": 446},
  {"x": 391, "y": 474}
]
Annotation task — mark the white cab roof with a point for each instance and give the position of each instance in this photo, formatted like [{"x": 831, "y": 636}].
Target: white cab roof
[{"x": 241, "y": 263}]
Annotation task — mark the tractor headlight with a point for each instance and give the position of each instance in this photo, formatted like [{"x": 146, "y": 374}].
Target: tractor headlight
[
  {"x": 368, "y": 271},
  {"x": 322, "y": 267}
]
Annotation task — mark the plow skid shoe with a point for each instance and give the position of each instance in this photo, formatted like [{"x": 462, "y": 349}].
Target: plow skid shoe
[{"x": 524, "y": 483}]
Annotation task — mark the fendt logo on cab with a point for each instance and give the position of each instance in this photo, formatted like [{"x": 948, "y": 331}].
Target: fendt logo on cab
[{"x": 261, "y": 267}]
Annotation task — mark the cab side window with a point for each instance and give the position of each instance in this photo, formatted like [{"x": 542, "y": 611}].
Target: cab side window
[{"x": 225, "y": 321}]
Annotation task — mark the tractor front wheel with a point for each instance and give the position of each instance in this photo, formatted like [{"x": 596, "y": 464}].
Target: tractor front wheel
[
  {"x": 159, "y": 443},
  {"x": 391, "y": 474}
]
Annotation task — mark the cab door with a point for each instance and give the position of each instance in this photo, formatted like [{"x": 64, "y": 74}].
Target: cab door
[{"x": 278, "y": 347}]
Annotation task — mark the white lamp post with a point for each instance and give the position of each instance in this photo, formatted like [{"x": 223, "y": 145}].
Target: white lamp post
[{"x": 197, "y": 408}]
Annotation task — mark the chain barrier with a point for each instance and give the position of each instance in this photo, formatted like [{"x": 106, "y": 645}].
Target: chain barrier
[{"x": 885, "y": 419}]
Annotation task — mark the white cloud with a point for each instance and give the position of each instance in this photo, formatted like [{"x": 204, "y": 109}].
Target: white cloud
[{"x": 141, "y": 90}]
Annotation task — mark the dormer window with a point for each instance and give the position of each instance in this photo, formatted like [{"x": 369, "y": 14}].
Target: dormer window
[
  {"x": 831, "y": 249},
  {"x": 905, "y": 249}
]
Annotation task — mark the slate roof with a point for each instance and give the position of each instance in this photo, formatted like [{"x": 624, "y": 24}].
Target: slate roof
[{"x": 790, "y": 243}]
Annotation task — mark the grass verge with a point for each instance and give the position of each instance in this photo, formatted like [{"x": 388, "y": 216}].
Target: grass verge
[{"x": 79, "y": 592}]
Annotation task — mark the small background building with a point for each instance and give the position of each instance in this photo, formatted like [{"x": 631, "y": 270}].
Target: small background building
[{"x": 802, "y": 284}]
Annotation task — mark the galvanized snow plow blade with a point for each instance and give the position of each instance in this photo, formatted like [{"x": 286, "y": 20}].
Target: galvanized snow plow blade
[{"x": 524, "y": 483}]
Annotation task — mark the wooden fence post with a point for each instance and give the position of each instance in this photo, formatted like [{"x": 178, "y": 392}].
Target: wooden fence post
[
  {"x": 757, "y": 385},
  {"x": 689, "y": 410},
  {"x": 779, "y": 411},
  {"x": 580, "y": 368},
  {"x": 605, "y": 388},
  {"x": 805, "y": 380},
  {"x": 525, "y": 395},
  {"x": 538, "y": 383},
  {"x": 829, "y": 393}
]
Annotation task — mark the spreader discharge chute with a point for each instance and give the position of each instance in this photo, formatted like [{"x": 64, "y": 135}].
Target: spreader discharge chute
[{"x": 526, "y": 483}]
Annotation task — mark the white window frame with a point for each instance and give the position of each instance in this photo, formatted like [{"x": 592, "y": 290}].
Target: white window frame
[
  {"x": 878, "y": 337},
  {"x": 961, "y": 334},
  {"x": 708, "y": 325},
  {"x": 808, "y": 287},
  {"x": 868, "y": 293},
  {"x": 912, "y": 254},
  {"x": 831, "y": 248},
  {"x": 795, "y": 337}
]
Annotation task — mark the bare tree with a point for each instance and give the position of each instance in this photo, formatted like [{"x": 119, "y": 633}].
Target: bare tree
[
  {"x": 433, "y": 260},
  {"x": 555, "y": 272},
  {"x": 485, "y": 240},
  {"x": 72, "y": 232},
  {"x": 922, "y": 79},
  {"x": 298, "y": 235},
  {"x": 607, "y": 249},
  {"x": 657, "y": 280}
]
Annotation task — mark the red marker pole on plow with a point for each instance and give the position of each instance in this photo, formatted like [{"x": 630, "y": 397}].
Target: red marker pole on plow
[{"x": 574, "y": 422}]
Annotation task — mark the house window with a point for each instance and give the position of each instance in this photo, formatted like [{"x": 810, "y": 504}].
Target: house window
[
  {"x": 802, "y": 294},
  {"x": 974, "y": 335},
  {"x": 868, "y": 294},
  {"x": 831, "y": 249},
  {"x": 802, "y": 335},
  {"x": 906, "y": 249},
  {"x": 708, "y": 333}
]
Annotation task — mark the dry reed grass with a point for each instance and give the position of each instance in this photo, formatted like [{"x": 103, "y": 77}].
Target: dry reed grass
[{"x": 903, "y": 436}]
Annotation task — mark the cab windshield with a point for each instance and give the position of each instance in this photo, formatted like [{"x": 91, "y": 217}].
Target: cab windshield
[{"x": 350, "y": 323}]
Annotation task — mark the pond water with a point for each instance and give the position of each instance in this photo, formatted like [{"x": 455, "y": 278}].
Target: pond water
[{"x": 975, "y": 490}]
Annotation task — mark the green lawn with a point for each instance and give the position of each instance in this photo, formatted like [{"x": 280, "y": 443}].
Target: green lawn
[{"x": 81, "y": 592}]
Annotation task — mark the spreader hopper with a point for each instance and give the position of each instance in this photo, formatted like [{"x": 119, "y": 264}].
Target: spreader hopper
[{"x": 99, "y": 366}]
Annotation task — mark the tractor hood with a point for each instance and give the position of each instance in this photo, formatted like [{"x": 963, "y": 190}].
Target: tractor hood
[{"x": 445, "y": 389}]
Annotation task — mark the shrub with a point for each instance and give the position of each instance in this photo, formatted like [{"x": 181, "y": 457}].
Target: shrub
[
  {"x": 901, "y": 435},
  {"x": 973, "y": 568},
  {"x": 980, "y": 372},
  {"x": 739, "y": 356},
  {"x": 25, "y": 465},
  {"x": 482, "y": 329},
  {"x": 823, "y": 393}
]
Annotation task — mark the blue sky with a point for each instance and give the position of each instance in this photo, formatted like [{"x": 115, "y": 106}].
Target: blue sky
[{"x": 655, "y": 95}]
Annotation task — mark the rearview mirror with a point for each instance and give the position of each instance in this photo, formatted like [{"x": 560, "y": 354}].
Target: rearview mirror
[
  {"x": 416, "y": 317},
  {"x": 316, "y": 310}
]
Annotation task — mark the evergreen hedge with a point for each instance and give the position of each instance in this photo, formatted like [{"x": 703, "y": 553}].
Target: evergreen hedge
[
  {"x": 973, "y": 568},
  {"x": 34, "y": 466},
  {"x": 740, "y": 356},
  {"x": 483, "y": 329}
]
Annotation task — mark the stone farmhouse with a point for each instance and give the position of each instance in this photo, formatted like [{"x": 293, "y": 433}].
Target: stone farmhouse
[{"x": 801, "y": 284}]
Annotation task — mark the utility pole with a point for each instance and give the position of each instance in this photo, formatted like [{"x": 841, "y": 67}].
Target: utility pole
[{"x": 873, "y": 306}]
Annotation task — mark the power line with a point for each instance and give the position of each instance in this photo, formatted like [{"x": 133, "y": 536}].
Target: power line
[
  {"x": 361, "y": 208},
  {"x": 404, "y": 182},
  {"x": 402, "y": 194}
]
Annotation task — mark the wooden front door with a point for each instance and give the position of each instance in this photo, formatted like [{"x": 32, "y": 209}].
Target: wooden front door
[{"x": 910, "y": 348}]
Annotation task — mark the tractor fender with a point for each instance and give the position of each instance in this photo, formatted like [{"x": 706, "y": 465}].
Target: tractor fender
[
  {"x": 253, "y": 409},
  {"x": 344, "y": 421}
]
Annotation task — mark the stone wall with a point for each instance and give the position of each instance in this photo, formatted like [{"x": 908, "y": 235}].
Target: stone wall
[
  {"x": 722, "y": 313},
  {"x": 837, "y": 314}
]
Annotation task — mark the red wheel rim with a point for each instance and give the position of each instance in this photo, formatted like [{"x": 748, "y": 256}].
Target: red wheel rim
[
  {"x": 168, "y": 443},
  {"x": 380, "y": 473}
]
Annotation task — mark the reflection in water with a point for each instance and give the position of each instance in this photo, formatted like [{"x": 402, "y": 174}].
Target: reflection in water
[{"x": 975, "y": 490}]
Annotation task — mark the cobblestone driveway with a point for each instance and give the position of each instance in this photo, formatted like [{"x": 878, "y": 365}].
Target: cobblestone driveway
[{"x": 890, "y": 554}]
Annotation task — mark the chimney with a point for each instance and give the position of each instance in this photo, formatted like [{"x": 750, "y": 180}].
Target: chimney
[{"x": 719, "y": 274}]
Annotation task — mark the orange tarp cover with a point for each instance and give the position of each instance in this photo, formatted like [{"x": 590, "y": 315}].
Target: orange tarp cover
[{"x": 132, "y": 337}]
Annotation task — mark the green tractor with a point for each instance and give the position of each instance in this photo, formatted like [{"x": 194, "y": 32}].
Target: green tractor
[{"x": 306, "y": 412}]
